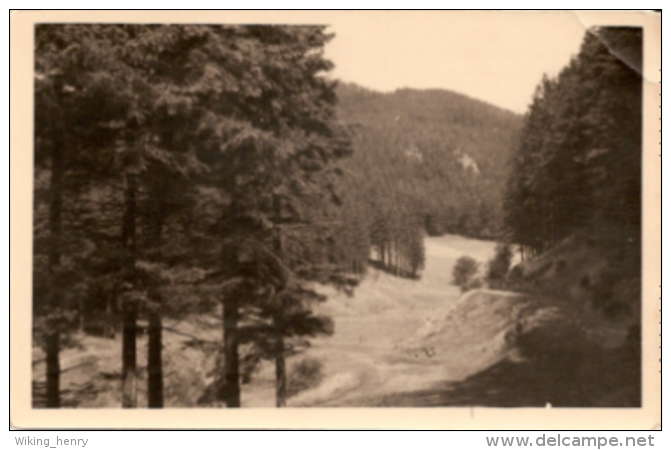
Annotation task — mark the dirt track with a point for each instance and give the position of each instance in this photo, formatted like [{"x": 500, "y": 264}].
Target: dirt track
[
  {"x": 421, "y": 343},
  {"x": 372, "y": 353}
]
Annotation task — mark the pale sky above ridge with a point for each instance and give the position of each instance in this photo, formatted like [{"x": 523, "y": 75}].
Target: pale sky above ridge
[{"x": 498, "y": 57}]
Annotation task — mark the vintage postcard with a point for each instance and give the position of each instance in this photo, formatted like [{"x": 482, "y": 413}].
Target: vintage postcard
[{"x": 335, "y": 219}]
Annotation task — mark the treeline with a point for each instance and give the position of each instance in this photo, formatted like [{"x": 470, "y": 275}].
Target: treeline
[
  {"x": 425, "y": 162},
  {"x": 578, "y": 163},
  {"x": 187, "y": 169}
]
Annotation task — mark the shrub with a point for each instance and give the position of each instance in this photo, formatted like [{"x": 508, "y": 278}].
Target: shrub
[
  {"x": 500, "y": 265},
  {"x": 515, "y": 275},
  {"x": 306, "y": 374},
  {"x": 463, "y": 274},
  {"x": 473, "y": 283}
]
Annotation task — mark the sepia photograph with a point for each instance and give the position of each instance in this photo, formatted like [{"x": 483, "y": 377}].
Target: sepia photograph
[{"x": 343, "y": 211}]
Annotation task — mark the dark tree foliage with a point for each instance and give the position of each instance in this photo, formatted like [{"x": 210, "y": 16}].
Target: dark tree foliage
[
  {"x": 278, "y": 169},
  {"x": 498, "y": 267},
  {"x": 464, "y": 273},
  {"x": 578, "y": 160},
  {"x": 425, "y": 162},
  {"x": 79, "y": 93},
  {"x": 177, "y": 161}
]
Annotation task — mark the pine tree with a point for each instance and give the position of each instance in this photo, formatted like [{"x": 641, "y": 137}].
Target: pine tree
[
  {"x": 77, "y": 103},
  {"x": 578, "y": 158},
  {"x": 125, "y": 95},
  {"x": 265, "y": 131}
]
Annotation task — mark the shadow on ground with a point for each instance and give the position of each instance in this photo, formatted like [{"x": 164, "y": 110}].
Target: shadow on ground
[
  {"x": 70, "y": 398},
  {"x": 589, "y": 377}
]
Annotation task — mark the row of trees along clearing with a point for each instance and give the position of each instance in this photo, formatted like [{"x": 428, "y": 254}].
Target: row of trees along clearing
[
  {"x": 186, "y": 169},
  {"x": 426, "y": 162},
  {"x": 578, "y": 163}
]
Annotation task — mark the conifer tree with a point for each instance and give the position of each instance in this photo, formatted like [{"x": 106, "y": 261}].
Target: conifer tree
[
  {"x": 78, "y": 100},
  {"x": 579, "y": 149}
]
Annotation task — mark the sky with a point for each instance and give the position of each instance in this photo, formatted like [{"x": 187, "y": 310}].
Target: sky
[{"x": 498, "y": 57}]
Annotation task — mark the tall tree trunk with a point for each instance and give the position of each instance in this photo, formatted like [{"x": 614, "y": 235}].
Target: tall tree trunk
[
  {"x": 155, "y": 338},
  {"x": 109, "y": 330},
  {"x": 129, "y": 356},
  {"x": 81, "y": 314},
  {"x": 397, "y": 260},
  {"x": 390, "y": 256},
  {"x": 280, "y": 363},
  {"x": 130, "y": 307},
  {"x": 231, "y": 386},
  {"x": 52, "y": 350},
  {"x": 53, "y": 370},
  {"x": 280, "y": 373},
  {"x": 154, "y": 361}
]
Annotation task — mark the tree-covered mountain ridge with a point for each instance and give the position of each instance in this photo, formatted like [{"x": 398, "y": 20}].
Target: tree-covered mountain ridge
[
  {"x": 433, "y": 105},
  {"x": 433, "y": 159},
  {"x": 434, "y": 120}
]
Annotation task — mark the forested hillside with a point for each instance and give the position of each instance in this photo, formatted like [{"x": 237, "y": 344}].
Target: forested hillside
[
  {"x": 573, "y": 199},
  {"x": 425, "y": 161},
  {"x": 578, "y": 163}
]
